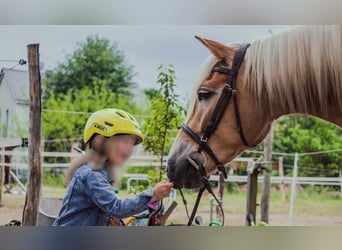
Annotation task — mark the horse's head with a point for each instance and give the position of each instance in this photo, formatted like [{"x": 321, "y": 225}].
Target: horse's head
[{"x": 225, "y": 141}]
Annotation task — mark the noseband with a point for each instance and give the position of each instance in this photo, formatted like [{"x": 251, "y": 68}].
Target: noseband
[{"x": 229, "y": 92}]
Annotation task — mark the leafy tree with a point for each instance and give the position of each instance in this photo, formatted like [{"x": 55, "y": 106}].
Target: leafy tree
[
  {"x": 151, "y": 93},
  {"x": 309, "y": 134},
  {"x": 166, "y": 115},
  {"x": 95, "y": 59},
  {"x": 303, "y": 134},
  {"x": 58, "y": 125}
]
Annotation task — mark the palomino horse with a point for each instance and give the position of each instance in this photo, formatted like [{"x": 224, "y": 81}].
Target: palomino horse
[{"x": 295, "y": 71}]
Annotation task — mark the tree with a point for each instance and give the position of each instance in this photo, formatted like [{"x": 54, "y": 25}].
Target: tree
[
  {"x": 309, "y": 134},
  {"x": 58, "y": 125},
  {"x": 166, "y": 115},
  {"x": 96, "y": 59},
  {"x": 151, "y": 93},
  {"x": 303, "y": 134}
]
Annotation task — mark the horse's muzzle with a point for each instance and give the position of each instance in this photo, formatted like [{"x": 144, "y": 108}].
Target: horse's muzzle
[{"x": 183, "y": 171}]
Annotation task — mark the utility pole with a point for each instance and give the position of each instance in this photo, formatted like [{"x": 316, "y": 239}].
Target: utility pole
[{"x": 34, "y": 156}]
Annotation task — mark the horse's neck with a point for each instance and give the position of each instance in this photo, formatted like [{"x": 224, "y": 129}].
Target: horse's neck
[{"x": 332, "y": 114}]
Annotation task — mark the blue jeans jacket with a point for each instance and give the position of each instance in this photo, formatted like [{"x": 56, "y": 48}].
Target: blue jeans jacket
[{"x": 90, "y": 200}]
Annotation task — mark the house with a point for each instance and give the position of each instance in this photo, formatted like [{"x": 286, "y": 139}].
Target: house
[{"x": 14, "y": 103}]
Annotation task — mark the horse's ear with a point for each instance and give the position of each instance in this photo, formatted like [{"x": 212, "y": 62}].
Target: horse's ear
[{"x": 219, "y": 50}]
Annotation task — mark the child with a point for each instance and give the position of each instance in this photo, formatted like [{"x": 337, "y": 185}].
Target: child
[{"x": 90, "y": 199}]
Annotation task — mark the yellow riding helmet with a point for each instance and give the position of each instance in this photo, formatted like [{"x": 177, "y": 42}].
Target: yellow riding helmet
[{"x": 110, "y": 122}]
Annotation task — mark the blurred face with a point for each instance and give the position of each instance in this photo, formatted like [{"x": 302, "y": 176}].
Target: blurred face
[{"x": 119, "y": 149}]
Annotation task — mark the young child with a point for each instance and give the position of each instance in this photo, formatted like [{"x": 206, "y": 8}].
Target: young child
[{"x": 90, "y": 199}]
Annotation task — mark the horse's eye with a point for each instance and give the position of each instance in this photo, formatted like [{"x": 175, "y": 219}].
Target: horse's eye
[{"x": 204, "y": 94}]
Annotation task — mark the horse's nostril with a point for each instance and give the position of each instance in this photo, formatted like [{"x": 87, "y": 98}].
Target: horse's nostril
[{"x": 195, "y": 159}]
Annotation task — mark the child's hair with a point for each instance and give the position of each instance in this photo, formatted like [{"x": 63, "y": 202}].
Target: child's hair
[
  {"x": 91, "y": 157},
  {"x": 74, "y": 165},
  {"x": 96, "y": 162}
]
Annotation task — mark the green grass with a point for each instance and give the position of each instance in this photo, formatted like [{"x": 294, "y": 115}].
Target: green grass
[{"x": 308, "y": 202}]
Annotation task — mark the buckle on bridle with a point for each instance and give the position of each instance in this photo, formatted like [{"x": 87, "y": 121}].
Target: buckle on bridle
[
  {"x": 205, "y": 140},
  {"x": 227, "y": 88}
]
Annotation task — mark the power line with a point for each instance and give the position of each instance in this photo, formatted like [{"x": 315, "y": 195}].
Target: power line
[
  {"x": 67, "y": 112},
  {"x": 300, "y": 154},
  {"x": 274, "y": 153},
  {"x": 61, "y": 140},
  {"x": 8, "y": 60},
  {"x": 83, "y": 112},
  {"x": 20, "y": 62},
  {"x": 321, "y": 152}
]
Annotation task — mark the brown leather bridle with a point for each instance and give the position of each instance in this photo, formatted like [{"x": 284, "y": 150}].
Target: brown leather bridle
[{"x": 229, "y": 92}]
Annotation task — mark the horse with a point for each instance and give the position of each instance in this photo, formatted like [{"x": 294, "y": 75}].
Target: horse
[{"x": 294, "y": 71}]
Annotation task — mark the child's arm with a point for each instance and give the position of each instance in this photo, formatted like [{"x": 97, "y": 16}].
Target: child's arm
[{"x": 102, "y": 194}]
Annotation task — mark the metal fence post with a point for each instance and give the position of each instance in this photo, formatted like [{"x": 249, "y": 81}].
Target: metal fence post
[{"x": 293, "y": 187}]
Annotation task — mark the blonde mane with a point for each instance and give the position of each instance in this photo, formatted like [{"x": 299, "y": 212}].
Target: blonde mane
[{"x": 297, "y": 69}]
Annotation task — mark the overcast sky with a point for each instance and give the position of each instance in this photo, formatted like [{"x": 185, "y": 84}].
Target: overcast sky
[{"x": 145, "y": 47}]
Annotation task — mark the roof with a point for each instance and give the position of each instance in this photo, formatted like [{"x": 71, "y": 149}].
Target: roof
[
  {"x": 18, "y": 83},
  {"x": 10, "y": 142}
]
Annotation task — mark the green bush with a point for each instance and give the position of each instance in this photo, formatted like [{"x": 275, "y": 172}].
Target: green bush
[
  {"x": 54, "y": 180},
  {"x": 231, "y": 187},
  {"x": 134, "y": 170}
]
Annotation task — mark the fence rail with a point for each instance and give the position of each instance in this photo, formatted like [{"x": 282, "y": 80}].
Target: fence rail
[
  {"x": 153, "y": 161},
  {"x": 331, "y": 181},
  {"x": 136, "y": 160}
]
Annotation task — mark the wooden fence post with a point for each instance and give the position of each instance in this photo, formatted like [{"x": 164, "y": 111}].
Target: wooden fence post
[
  {"x": 281, "y": 175},
  {"x": 252, "y": 190},
  {"x": 221, "y": 192},
  {"x": 265, "y": 197},
  {"x": 34, "y": 156}
]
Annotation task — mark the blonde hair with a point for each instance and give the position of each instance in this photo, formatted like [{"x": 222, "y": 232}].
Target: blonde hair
[
  {"x": 74, "y": 165},
  {"x": 297, "y": 69},
  {"x": 96, "y": 161}
]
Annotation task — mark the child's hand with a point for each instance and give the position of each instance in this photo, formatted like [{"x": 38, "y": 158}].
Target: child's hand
[{"x": 161, "y": 190}]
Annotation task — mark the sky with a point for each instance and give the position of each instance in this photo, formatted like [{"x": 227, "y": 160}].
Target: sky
[{"x": 145, "y": 47}]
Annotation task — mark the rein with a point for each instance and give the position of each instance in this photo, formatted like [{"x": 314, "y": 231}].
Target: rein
[{"x": 229, "y": 92}]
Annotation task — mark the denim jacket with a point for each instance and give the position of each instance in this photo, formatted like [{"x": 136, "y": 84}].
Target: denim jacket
[{"x": 90, "y": 200}]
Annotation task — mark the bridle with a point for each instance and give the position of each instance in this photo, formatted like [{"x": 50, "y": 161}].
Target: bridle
[{"x": 229, "y": 92}]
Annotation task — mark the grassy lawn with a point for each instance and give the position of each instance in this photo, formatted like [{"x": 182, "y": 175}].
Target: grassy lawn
[{"x": 310, "y": 207}]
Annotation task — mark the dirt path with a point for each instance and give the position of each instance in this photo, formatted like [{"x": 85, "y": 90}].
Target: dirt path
[
  {"x": 7, "y": 214},
  {"x": 308, "y": 213},
  {"x": 275, "y": 219}
]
